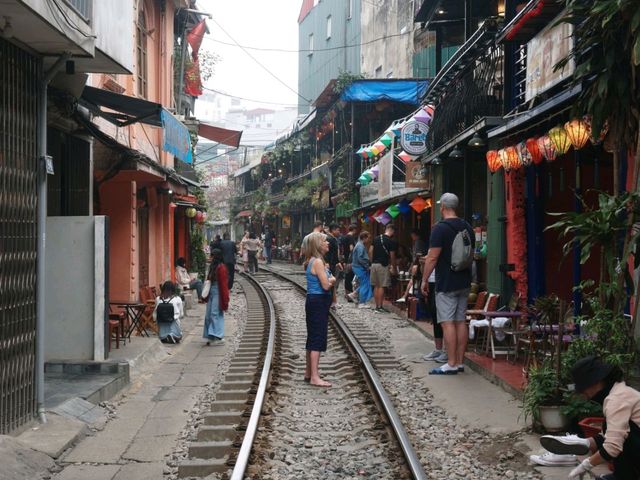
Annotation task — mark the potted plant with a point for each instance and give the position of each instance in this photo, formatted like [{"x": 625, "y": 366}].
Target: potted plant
[{"x": 542, "y": 399}]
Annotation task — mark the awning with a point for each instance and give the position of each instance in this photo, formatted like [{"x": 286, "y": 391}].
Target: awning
[
  {"x": 220, "y": 135},
  {"x": 396, "y": 90},
  {"x": 525, "y": 25},
  {"x": 244, "y": 213},
  {"x": 128, "y": 110}
]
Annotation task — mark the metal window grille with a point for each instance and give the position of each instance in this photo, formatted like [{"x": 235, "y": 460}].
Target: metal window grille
[
  {"x": 82, "y": 7},
  {"x": 520, "y": 74},
  {"x": 476, "y": 92},
  {"x": 19, "y": 77}
]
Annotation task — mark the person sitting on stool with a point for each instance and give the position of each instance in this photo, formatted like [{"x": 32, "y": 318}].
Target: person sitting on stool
[{"x": 184, "y": 280}]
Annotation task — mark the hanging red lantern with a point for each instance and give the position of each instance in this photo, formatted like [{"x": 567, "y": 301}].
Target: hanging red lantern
[
  {"x": 524, "y": 154},
  {"x": 512, "y": 158},
  {"x": 198, "y": 217},
  {"x": 493, "y": 162},
  {"x": 578, "y": 133},
  {"x": 547, "y": 148},
  {"x": 534, "y": 150},
  {"x": 560, "y": 140}
]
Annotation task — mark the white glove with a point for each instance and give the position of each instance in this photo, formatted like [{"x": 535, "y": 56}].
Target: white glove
[{"x": 581, "y": 469}]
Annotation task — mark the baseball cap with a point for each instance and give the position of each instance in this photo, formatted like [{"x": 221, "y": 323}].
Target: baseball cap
[{"x": 449, "y": 200}]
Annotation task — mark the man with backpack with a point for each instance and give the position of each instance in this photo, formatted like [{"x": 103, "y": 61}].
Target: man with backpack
[{"x": 450, "y": 253}]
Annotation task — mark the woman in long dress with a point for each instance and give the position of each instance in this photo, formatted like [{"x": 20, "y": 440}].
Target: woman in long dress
[{"x": 218, "y": 300}]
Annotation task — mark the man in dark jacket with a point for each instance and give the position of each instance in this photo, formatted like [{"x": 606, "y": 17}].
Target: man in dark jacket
[{"x": 229, "y": 253}]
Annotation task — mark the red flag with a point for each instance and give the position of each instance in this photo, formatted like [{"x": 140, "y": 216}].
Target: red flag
[{"x": 194, "y": 37}]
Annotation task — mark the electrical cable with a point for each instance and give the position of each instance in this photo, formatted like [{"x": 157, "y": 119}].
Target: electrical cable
[
  {"x": 249, "y": 99},
  {"x": 284, "y": 50},
  {"x": 259, "y": 63},
  {"x": 67, "y": 19}
]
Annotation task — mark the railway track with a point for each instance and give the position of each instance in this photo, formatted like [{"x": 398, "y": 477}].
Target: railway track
[{"x": 266, "y": 423}]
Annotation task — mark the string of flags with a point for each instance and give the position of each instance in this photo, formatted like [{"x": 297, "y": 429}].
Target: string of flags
[
  {"x": 379, "y": 147},
  {"x": 384, "y": 215},
  {"x": 533, "y": 151}
]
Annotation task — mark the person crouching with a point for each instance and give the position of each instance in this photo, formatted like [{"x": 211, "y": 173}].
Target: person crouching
[{"x": 167, "y": 313}]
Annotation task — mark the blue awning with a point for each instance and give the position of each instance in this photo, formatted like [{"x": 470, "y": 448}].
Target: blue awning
[
  {"x": 402, "y": 90},
  {"x": 177, "y": 139}
]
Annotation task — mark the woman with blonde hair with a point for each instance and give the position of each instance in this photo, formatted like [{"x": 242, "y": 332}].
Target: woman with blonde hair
[{"x": 319, "y": 283}]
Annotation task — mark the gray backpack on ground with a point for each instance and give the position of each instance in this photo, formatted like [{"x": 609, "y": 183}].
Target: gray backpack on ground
[{"x": 461, "y": 249}]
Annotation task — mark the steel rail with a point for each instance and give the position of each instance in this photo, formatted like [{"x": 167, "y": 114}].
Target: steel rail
[
  {"x": 413, "y": 462},
  {"x": 242, "y": 460}
]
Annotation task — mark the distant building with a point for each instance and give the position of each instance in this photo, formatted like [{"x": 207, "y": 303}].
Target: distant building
[{"x": 325, "y": 29}]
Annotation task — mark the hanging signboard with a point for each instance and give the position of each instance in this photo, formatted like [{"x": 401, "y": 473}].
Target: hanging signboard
[
  {"x": 413, "y": 137},
  {"x": 177, "y": 139},
  {"x": 544, "y": 51},
  {"x": 418, "y": 176}
]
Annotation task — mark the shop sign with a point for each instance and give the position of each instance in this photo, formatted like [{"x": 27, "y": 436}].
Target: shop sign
[
  {"x": 413, "y": 137},
  {"x": 286, "y": 221},
  {"x": 177, "y": 140},
  {"x": 544, "y": 51},
  {"x": 385, "y": 176},
  {"x": 418, "y": 176}
]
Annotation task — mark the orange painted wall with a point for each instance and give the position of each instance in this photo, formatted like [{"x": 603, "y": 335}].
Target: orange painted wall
[{"x": 119, "y": 203}]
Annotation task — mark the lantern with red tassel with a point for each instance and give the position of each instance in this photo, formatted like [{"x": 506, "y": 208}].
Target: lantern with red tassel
[
  {"x": 534, "y": 150},
  {"x": 524, "y": 154},
  {"x": 547, "y": 148}
]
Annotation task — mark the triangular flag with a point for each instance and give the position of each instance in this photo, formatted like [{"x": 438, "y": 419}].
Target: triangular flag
[
  {"x": 405, "y": 157},
  {"x": 386, "y": 140},
  {"x": 418, "y": 204},
  {"x": 393, "y": 210}
]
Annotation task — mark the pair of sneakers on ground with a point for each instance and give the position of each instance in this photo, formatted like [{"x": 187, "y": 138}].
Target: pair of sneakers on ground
[
  {"x": 440, "y": 356},
  {"x": 563, "y": 451}
]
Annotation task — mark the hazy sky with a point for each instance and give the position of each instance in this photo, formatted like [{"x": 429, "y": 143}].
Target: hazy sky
[{"x": 254, "y": 23}]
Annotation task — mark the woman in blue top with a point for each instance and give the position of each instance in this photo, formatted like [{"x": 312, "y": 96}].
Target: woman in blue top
[
  {"x": 360, "y": 265},
  {"x": 319, "y": 283}
]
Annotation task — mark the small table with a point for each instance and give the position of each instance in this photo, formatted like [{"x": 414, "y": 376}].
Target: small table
[
  {"x": 134, "y": 311},
  {"x": 490, "y": 316}
]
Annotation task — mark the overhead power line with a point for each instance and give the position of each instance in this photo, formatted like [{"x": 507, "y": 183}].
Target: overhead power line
[
  {"x": 250, "y": 99},
  {"x": 259, "y": 63}
]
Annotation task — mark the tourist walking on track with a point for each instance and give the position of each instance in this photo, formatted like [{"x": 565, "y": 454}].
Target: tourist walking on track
[
  {"x": 360, "y": 265},
  {"x": 383, "y": 264},
  {"x": 253, "y": 245},
  {"x": 318, "y": 301},
  {"x": 244, "y": 252},
  {"x": 218, "y": 299},
  {"x": 229, "y": 253},
  {"x": 451, "y": 255}
]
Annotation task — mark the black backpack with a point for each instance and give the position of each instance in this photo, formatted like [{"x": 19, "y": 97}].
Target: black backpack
[{"x": 165, "y": 311}]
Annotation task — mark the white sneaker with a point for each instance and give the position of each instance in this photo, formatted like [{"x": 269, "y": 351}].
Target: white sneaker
[
  {"x": 401, "y": 300},
  {"x": 363, "y": 306},
  {"x": 442, "y": 358},
  {"x": 432, "y": 356},
  {"x": 569, "y": 444},
  {"x": 549, "y": 459}
]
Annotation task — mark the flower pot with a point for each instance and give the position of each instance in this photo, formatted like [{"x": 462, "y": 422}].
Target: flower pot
[{"x": 552, "y": 419}]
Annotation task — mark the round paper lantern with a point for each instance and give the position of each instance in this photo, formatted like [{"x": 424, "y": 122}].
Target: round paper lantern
[
  {"x": 603, "y": 131},
  {"x": 560, "y": 139},
  {"x": 534, "y": 150},
  {"x": 524, "y": 154},
  {"x": 198, "y": 217},
  {"x": 512, "y": 158},
  {"x": 504, "y": 160},
  {"x": 493, "y": 162},
  {"x": 547, "y": 148},
  {"x": 190, "y": 212},
  {"x": 578, "y": 133}
]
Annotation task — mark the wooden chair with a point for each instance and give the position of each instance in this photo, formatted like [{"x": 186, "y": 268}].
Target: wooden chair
[
  {"x": 490, "y": 306},
  {"x": 481, "y": 303},
  {"x": 148, "y": 297},
  {"x": 116, "y": 328}
]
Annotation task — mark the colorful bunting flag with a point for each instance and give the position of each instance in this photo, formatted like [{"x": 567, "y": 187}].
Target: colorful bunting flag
[
  {"x": 393, "y": 210},
  {"x": 418, "y": 204}
]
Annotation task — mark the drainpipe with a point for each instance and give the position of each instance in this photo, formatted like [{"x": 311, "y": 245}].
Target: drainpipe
[{"x": 42, "y": 227}]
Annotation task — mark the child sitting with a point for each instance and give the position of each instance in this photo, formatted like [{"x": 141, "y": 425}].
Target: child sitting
[{"x": 167, "y": 314}]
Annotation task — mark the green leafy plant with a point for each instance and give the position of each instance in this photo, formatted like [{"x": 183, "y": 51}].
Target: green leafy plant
[
  {"x": 542, "y": 389},
  {"x": 345, "y": 79},
  {"x": 198, "y": 257}
]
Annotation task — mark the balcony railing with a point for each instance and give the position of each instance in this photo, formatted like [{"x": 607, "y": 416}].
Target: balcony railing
[{"x": 84, "y": 8}]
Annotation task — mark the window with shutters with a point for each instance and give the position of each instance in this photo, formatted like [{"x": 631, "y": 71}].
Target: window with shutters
[{"x": 141, "y": 52}]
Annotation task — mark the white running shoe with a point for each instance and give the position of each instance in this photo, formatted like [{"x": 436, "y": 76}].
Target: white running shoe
[
  {"x": 432, "y": 356},
  {"x": 549, "y": 459},
  {"x": 401, "y": 300},
  {"x": 567, "y": 445},
  {"x": 363, "y": 306},
  {"x": 443, "y": 358}
]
